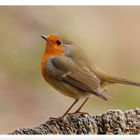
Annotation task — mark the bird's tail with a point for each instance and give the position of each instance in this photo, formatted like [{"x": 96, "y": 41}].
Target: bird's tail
[
  {"x": 122, "y": 81},
  {"x": 110, "y": 79}
]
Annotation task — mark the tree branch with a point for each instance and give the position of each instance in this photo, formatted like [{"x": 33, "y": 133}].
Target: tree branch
[{"x": 111, "y": 122}]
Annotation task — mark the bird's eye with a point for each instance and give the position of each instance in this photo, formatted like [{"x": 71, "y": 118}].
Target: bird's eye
[{"x": 58, "y": 42}]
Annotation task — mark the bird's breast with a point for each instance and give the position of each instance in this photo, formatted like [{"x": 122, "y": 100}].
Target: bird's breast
[
  {"x": 43, "y": 66},
  {"x": 47, "y": 55}
]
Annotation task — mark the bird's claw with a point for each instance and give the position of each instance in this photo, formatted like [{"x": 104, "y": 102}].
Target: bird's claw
[
  {"x": 53, "y": 118},
  {"x": 77, "y": 112}
]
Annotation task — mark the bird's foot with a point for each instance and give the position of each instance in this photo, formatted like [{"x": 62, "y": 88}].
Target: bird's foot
[
  {"x": 77, "y": 112},
  {"x": 53, "y": 118},
  {"x": 73, "y": 113}
]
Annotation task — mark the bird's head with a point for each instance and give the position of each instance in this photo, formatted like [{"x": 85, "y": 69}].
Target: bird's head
[
  {"x": 57, "y": 44},
  {"x": 56, "y": 40}
]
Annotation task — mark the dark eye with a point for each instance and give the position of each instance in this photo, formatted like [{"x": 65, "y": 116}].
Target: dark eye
[{"x": 58, "y": 42}]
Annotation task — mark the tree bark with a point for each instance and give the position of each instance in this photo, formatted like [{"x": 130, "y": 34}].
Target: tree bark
[{"x": 111, "y": 122}]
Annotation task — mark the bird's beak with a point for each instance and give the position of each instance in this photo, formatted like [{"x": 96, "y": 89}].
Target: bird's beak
[{"x": 44, "y": 37}]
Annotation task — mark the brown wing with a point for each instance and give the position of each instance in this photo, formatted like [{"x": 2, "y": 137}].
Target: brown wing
[
  {"x": 83, "y": 79},
  {"x": 64, "y": 69}
]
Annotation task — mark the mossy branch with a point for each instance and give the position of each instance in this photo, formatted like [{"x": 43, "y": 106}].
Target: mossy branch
[{"x": 111, "y": 122}]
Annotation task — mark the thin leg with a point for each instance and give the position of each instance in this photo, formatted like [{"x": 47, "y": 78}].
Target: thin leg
[
  {"x": 78, "y": 110},
  {"x": 70, "y": 108}
]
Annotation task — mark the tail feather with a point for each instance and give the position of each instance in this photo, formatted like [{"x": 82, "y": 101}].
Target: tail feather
[
  {"x": 103, "y": 97},
  {"x": 114, "y": 79},
  {"x": 122, "y": 81}
]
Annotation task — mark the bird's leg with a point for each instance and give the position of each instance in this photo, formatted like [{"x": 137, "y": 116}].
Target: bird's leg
[
  {"x": 78, "y": 110},
  {"x": 70, "y": 108}
]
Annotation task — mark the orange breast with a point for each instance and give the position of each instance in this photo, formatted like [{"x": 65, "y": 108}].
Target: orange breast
[
  {"x": 43, "y": 63},
  {"x": 49, "y": 52}
]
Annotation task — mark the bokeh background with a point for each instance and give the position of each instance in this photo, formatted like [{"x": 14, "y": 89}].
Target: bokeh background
[{"x": 110, "y": 36}]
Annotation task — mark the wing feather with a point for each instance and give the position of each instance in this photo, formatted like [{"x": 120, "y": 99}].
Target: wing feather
[{"x": 64, "y": 69}]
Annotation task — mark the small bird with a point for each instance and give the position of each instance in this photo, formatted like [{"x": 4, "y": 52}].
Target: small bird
[{"x": 68, "y": 69}]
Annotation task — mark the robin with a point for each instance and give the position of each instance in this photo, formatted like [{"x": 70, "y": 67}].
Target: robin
[{"x": 68, "y": 69}]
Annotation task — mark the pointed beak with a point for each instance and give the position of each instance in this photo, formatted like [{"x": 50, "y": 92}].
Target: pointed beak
[{"x": 44, "y": 37}]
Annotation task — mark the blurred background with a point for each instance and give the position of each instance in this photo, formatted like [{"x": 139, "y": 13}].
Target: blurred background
[{"x": 110, "y": 36}]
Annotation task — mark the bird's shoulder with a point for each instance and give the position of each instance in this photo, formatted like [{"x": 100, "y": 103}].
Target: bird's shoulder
[{"x": 79, "y": 56}]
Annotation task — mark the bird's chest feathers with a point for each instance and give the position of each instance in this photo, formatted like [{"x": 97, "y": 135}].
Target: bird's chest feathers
[{"x": 47, "y": 55}]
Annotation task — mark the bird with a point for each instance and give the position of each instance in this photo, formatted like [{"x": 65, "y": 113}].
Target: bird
[{"x": 68, "y": 69}]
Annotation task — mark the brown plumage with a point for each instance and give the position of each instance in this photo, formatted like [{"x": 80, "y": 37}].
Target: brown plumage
[{"x": 69, "y": 70}]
